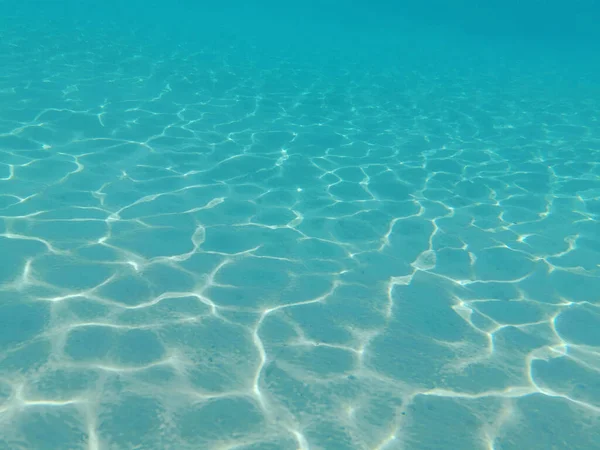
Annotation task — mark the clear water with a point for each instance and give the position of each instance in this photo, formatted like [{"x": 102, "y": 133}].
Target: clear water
[{"x": 299, "y": 226}]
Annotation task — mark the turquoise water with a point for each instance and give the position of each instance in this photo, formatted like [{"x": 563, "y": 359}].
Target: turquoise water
[{"x": 305, "y": 226}]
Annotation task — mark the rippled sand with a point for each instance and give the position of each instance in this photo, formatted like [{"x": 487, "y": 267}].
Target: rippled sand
[{"x": 207, "y": 251}]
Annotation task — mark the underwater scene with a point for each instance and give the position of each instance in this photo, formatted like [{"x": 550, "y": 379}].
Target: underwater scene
[{"x": 299, "y": 226}]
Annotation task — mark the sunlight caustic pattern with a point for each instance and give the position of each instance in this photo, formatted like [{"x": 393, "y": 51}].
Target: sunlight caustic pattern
[{"x": 198, "y": 253}]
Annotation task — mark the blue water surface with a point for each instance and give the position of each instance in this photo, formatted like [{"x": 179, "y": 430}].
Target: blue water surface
[{"x": 299, "y": 225}]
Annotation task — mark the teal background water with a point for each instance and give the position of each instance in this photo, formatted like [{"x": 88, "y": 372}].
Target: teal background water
[{"x": 314, "y": 225}]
